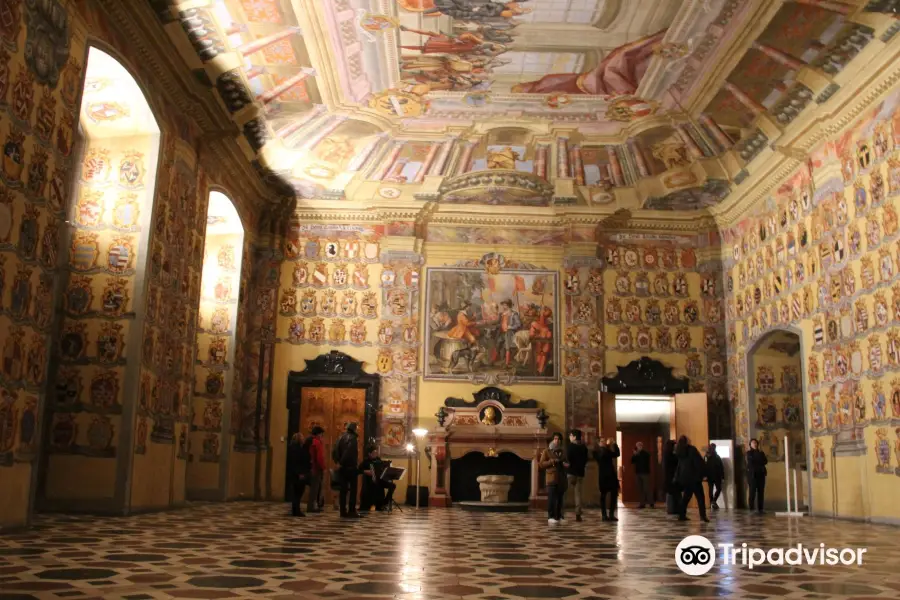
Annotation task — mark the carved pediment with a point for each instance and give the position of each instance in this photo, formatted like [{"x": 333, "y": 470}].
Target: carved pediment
[
  {"x": 503, "y": 398},
  {"x": 645, "y": 376},
  {"x": 334, "y": 363}
]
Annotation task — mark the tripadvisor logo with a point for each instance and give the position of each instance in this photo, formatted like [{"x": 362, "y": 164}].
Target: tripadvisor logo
[{"x": 696, "y": 555}]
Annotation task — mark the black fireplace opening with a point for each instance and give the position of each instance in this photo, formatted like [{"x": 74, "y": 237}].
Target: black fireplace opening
[{"x": 465, "y": 471}]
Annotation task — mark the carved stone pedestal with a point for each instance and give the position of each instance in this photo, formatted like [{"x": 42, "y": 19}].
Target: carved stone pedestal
[{"x": 495, "y": 488}]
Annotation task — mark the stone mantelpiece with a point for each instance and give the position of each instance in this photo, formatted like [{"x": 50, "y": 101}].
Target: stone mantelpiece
[{"x": 490, "y": 423}]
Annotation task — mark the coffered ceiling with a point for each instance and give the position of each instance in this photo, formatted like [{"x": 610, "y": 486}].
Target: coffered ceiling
[{"x": 680, "y": 95}]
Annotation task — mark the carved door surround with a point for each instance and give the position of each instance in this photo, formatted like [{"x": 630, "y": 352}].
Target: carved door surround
[{"x": 334, "y": 370}]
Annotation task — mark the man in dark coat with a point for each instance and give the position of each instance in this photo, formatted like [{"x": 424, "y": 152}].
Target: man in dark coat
[
  {"x": 577, "y": 455},
  {"x": 606, "y": 455},
  {"x": 689, "y": 476},
  {"x": 715, "y": 475},
  {"x": 673, "y": 490},
  {"x": 298, "y": 466},
  {"x": 640, "y": 460},
  {"x": 345, "y": 455},
  {"x": 756, "y": 475}
]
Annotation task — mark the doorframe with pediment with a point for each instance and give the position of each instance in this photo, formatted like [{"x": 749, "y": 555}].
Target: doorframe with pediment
[{"x": 332, "y": 370}]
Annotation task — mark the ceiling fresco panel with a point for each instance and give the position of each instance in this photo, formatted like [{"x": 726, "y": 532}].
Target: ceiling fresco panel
[
  {"x": 263, "y": 11},
  {"x": 613, "y": 99},
  {"x": 797, "y": 27}
]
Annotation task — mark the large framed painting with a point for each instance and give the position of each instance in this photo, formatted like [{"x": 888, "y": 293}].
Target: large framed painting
[{"x": 492, "y": 321}]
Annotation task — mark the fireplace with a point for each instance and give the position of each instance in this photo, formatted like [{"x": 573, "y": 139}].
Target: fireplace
[
  {"x": 488, "y": 435},
  {"x": 464, "y": 473}
]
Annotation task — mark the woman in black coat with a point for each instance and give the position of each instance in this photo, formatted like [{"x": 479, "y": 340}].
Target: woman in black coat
[
  {"x": 608, "y": 476},
  {"x": 756, "y": 475},
  {"x": 673, "y": 490},
  {"x": 689, "y": 475}
]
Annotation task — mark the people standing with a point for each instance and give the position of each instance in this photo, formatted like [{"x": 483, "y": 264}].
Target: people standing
[
  {"x": 298, "y": 467},
  {"x": 316, "y": 451},
  {"x": 689, "y": 475},
  {"x": 640, "y": 460},
  {"x": 608, "y": 477},
  {"x": 715, "y": 475},
  {"x": 756, "y": 475},
  {"x": 577, "y": 457},
  {"x": 345, "y": 455},
  {"x": 553, "y": 462},
  {"x": 673, "y": 490}
]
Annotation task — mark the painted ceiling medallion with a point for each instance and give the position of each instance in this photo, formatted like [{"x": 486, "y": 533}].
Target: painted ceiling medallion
[
  {"x": 398, "y": 104},
  {"x": 389, "y": 192}
]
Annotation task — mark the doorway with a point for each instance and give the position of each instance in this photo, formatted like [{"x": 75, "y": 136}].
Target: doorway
[
  {"x": 777, "y": 414},
  {"x": 331, "y": 392},
  {"x": 643, "y": 420},
  {"x": 644, "y": 390}
]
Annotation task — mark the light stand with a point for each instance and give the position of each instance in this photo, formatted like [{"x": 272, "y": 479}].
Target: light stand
[{"x": 419, "y": 433}]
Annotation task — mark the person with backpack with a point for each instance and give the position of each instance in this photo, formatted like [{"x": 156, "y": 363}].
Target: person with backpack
[
  {"x": 298, "y": 472},
  {"x": 345, "y": 455},
  {"x": 315, "y": 457}
]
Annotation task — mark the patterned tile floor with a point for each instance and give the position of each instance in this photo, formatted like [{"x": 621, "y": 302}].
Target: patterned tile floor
[{"x": 251, "y": 550}]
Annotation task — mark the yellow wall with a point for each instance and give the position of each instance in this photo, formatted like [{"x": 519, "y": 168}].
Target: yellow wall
[
  {"x": 844, "y": 308},
  {"x": 121, "y": 450},
  {"x": 666, "y": 289}
]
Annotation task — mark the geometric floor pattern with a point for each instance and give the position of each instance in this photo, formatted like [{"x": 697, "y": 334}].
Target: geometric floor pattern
[{"x": 252, "y": 550}]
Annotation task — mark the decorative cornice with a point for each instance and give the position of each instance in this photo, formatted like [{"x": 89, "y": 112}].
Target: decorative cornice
[
  {"x": 175, "y": 84},
  {"x": 777, "y": 167}
]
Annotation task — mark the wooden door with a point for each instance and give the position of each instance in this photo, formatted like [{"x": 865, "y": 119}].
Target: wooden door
[
  {"x": 331, "y": 409},
  {"x": 607, "y": 408},
  {"x": 691, "y": 419}
]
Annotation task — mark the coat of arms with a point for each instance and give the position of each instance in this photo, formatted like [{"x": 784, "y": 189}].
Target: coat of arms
[
  {"x": 14, "y": 157},
  {"x": 131, "y": 170},
  {"x": 358, "y": 332},
  {"x": 96, "y": 167},
  {"x": 288, "y": 303},
  {"x": 119, "y": 255},
  {"x": 337, "y": 331},
  {"x": 296, "y": 330},
  {"x": 103, "y": 111},
  {"x": 78, "y": 295},
  {"x": 348, "y": 304},
  {"x": 317, "y": 331},
  {"x": 115, "y": 296},
  {"x": 46, "y": 116},
  {"x": 369, "y": 305},
  {"x": 110, "y": 342}
]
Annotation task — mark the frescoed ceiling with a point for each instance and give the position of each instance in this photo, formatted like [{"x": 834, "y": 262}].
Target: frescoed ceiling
[{"x": 654, "y": 104}]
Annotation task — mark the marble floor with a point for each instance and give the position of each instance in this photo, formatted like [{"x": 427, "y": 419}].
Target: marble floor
[{"x": 251, "y": 550}]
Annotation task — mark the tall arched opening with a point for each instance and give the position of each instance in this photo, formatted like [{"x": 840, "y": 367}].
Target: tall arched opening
[
  {"x": 210, "y": 443},
  {"x": 92, "y": 408},
  {"x": 777, "y": 412}
]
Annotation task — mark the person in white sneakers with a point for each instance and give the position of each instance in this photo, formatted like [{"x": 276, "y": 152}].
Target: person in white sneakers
[{"x": 553, "y": 461}]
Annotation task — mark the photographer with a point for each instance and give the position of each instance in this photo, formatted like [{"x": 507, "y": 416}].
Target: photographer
[{"x": 553, "y": 462}]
